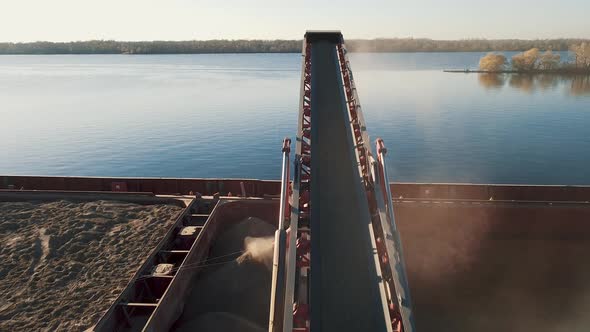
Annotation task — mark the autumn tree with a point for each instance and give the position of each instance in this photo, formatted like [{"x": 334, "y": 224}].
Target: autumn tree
[
  {"x": 492, "y": 62},
  {"x": 582, "y": 54},
  {"x": 549, "y": 60},
  {"x": 526, "y": 61}
]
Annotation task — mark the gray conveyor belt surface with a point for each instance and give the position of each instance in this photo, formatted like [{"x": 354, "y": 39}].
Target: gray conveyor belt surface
[{"x": 344, "y": 286}]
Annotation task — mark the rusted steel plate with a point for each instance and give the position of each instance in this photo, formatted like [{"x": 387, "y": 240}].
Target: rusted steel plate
[{"x": 260, "y": 188}]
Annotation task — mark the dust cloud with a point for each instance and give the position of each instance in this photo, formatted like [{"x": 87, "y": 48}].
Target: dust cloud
[
  {"x": 258, "y": 249},
  {"x": 235, "y": 295},
  {"x": 474, "y": 267}
]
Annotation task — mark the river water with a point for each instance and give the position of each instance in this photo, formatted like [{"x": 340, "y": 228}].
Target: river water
[{"x": 226, "y": 115}]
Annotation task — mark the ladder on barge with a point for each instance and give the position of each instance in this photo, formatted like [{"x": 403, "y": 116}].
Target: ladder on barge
[{"x": 142, "y": 296}]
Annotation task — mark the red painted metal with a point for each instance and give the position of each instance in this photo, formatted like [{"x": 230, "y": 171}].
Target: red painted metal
[
  {"x": 300, "y": 317},
  {"x": 119, "y": 186},
  {"x": 287, "y": 145},
  {"x": 301, "y": 312},
  {"x": 364, "y": 158},
  {"x": 287, "y": 149},
  {"x": 353, "y": 108},
  {"x": 303, "y": 249},
  {"x": 262, "y": 188},
  {"x": 160, "y": 186}
]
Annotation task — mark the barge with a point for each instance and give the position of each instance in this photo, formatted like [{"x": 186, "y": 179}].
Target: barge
[{"x": 509, "y": 254}]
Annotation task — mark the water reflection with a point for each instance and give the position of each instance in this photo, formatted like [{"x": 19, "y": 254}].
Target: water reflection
[
  {"x": 580, "y": 86},
  {"x": 547, "y": 82},
  {"x": 492, "y": 81},
  {"x": 524, "y": 83},
  {"x": 576, "y": 85}
]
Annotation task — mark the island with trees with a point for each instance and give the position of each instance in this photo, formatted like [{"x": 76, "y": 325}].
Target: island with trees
[
  {"x": 535, "y": 70},
  {"x": 534, "y": 61}
]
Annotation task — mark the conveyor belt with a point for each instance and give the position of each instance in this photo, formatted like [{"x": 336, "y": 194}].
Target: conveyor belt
[{"x": 344, "y": 289}]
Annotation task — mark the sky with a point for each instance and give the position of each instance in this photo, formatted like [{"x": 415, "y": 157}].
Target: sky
[{"x": 70, "y": 20}]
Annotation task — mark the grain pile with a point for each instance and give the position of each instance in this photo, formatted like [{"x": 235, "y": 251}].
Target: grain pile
[{"x": 64, "y": 263}]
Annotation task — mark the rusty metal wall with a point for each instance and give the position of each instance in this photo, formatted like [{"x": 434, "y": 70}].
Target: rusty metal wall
[
  {"x": 259, "y": 188},
  {"x": 496, "y": 192},
  {"x": 253, "y": 188}
]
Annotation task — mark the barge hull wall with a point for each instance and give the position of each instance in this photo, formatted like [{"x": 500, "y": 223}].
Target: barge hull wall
[{"x": 260, "y": 188}]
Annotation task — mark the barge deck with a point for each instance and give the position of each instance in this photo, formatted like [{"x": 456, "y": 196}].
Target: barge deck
[{"x": 502, "y": 254}]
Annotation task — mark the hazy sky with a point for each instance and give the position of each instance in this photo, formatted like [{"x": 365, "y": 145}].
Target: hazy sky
[{"x": 65, "y": 20}]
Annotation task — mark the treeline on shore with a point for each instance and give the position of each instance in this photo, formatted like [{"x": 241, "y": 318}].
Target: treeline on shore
[
  {"x": 282, "y": 46},
  {"x": 534, "y": 61}
]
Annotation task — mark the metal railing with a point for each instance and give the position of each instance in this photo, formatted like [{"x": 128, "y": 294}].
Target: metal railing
[
  {"x": 277, "y": 297},
  {"x": 295, "y": 315},
  {"x": 392, "y": 240},
  {"x": 374, "y": 176}
]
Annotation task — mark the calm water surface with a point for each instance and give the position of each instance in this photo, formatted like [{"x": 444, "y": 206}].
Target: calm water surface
[{"x": 225, "y": 116}]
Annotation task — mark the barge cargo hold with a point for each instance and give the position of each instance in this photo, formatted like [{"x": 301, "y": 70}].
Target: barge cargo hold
[
  {"x": 73, "y": 250},
  {"x": 477, "y": 255}
]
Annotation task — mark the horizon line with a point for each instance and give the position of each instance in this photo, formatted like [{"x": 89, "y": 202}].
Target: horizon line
[{"x": 297, "y": 39}]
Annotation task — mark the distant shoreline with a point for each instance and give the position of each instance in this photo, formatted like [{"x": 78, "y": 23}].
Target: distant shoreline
[
  {"x": 389, "y": 45},
  {"x": 560, "y": 71}
]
